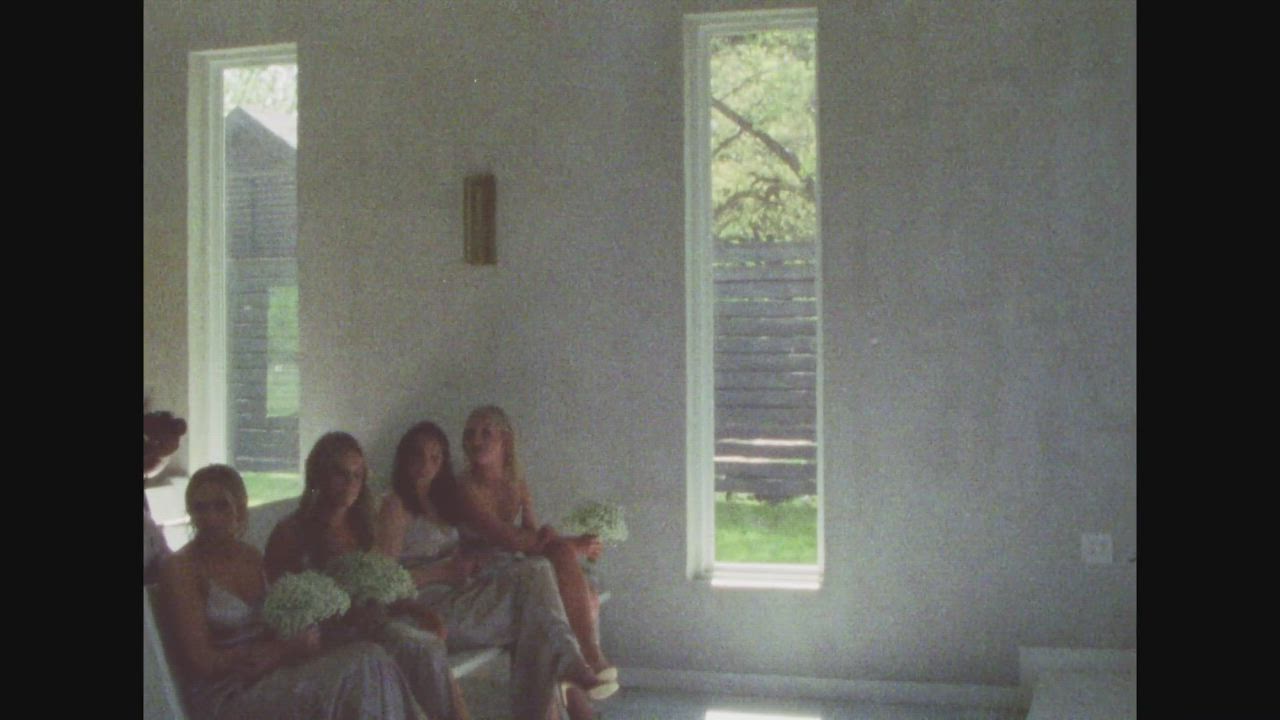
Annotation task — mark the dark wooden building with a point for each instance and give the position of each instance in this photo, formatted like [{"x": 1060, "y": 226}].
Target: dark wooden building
[{"x": 262, "y": 291}]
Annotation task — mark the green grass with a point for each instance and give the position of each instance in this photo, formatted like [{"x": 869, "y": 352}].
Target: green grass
[
  {"x": 265, "y": 487},
  {"x": 751, "y": 531},
  {"x": 282, "y": 390},
  {"x": 746, "y": 530},
  {"x": 282, "y": 351}
]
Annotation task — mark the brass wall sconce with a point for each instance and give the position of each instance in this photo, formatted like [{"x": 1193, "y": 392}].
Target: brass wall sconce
[{"x": 479, "y": 219}]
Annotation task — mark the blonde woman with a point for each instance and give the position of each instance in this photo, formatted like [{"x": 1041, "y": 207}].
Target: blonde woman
[
  {"x": 211, "y": 594},
  {"x": 496, "y": 511}
]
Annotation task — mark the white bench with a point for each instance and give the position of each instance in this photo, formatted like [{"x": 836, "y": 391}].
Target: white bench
[
  {"x": 161, "y": 697},
  {"x": 465, "y": 662}
]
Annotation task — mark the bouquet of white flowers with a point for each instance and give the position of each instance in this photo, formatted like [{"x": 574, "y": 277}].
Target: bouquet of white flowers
[
  {"x": 597, "y": 518},
  {"x": 299, "y": 600},
  {"x": 371, "y": 576}
]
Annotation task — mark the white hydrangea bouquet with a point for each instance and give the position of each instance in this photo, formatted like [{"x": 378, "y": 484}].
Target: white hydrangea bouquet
[
  {"x": 602, "y": 519},
  {"x": 379, "y": 587},
  {"x": 299, "y": 600},
  {"x": 372, "y": 576}
]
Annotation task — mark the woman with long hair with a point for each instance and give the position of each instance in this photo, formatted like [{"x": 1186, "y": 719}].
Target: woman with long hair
[
  {"x": 211, "y": 594},
  {"x": 484, "y": 600},
  {"x": 497, "y": 512},
  {"x": 336, "y": 516}
]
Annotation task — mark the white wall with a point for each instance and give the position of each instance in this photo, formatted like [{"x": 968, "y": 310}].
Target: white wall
[{"x": 979, "y": 213}]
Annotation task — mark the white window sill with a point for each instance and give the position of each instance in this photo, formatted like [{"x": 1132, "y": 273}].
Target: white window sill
[
  {"x": 753, "y": 576},
  {"x": 168, "y": 502}
]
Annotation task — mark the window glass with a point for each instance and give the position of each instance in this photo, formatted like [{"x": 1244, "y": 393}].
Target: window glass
[
  {"x": 245, "y": 382},
  {"x": 763, "y": 150},
  {"x": 754, "y": 291},
  {"x": 260, "y": 105}
]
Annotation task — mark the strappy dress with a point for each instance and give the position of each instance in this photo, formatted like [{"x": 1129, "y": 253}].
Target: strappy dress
[
  {"x": 512, "y": 601},
  {"x": 353, "y": 681}
]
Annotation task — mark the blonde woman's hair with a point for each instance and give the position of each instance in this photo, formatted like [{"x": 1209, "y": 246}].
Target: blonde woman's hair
[
  {"x": 228, "y": 480},
  {"x": 512, "y": 470}
]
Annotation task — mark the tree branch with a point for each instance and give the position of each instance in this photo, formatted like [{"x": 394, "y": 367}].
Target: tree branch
[
  {"x": 726, "y": 143},
  {"x": 767, "y": 140}
]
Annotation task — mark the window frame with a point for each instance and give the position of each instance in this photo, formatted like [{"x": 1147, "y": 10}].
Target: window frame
[
  {"x": 700, "y": 312},
  {"x": 207, "y": 341}
]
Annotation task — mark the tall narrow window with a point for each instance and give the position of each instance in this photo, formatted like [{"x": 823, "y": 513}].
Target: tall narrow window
[
  {"x": 243, "y": 300},
  {"x": 753, "y": 241}
]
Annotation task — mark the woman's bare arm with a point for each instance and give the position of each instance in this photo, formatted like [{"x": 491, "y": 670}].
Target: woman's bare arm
[
  {"x": 528, "y": 518},
  {"x": 393, "y": 523},
  {"x": 422, "y": 615},
  {"x": 481, "y": 518},
  {"x": 454, "y": 570},
  {"x": 584, "y": 545},
  {"x": 182, "y": 601}
]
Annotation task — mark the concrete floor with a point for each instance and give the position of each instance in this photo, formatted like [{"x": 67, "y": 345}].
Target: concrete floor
[{"x": 486, "y": 695}]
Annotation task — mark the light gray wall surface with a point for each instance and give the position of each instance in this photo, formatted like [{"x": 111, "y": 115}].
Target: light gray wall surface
[{"x": 978, "y": 179}]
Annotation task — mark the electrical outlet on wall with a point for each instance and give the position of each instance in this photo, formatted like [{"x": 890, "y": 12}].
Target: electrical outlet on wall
[{"x": 1096, "y": 549}]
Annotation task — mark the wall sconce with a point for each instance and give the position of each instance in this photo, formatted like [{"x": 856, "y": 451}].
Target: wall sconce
[{"x": 479, "y": 219}]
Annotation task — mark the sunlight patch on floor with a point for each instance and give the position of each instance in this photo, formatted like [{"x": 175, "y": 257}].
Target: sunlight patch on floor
[{"x": 735, "y": 715}]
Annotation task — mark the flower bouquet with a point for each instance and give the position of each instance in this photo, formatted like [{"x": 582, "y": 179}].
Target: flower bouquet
[
  {"x": 299, "y": 600},
  {"x": 372, "y": 576},
  {"x": 605, "y": 521},
  {"x": 597, "y": 518},
  {"x": 375, "y": 582}
]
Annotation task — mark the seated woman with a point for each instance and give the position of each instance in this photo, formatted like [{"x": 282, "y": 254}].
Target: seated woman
[
  {"x": 211, "y": 594},
  {"x": 335, "y": 516},
  {"x": 483, "y": 603},
  {"x": 496, "y": 510},
  {"x": 161, "y": 432}
]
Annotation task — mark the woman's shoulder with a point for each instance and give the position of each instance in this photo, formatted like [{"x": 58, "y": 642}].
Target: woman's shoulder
[
  {"x": 466, "y": 486},
  {"x": 179, "y": 568},
  {"x": 520, "y": 487},
  {"x": 248, "y": 553},
  {"x": 392, "y": 502},
  {"x": 393, "y": 510}
]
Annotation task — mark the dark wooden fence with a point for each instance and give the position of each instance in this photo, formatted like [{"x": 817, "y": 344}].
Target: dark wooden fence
[{"x": 766, "y": 369}]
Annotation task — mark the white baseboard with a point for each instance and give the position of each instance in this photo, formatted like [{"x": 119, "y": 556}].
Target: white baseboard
[
  {"x": 1033, "y": 661},
  {"x": 785, "y": 687},
  {"x": 1079, "y": 683}
]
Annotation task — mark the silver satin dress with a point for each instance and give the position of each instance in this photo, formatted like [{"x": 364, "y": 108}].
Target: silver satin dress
[
  {"x": 513, "y": 601},
  {"x": 422, "y": 657},
  {"x": 353, "y": 681}
]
